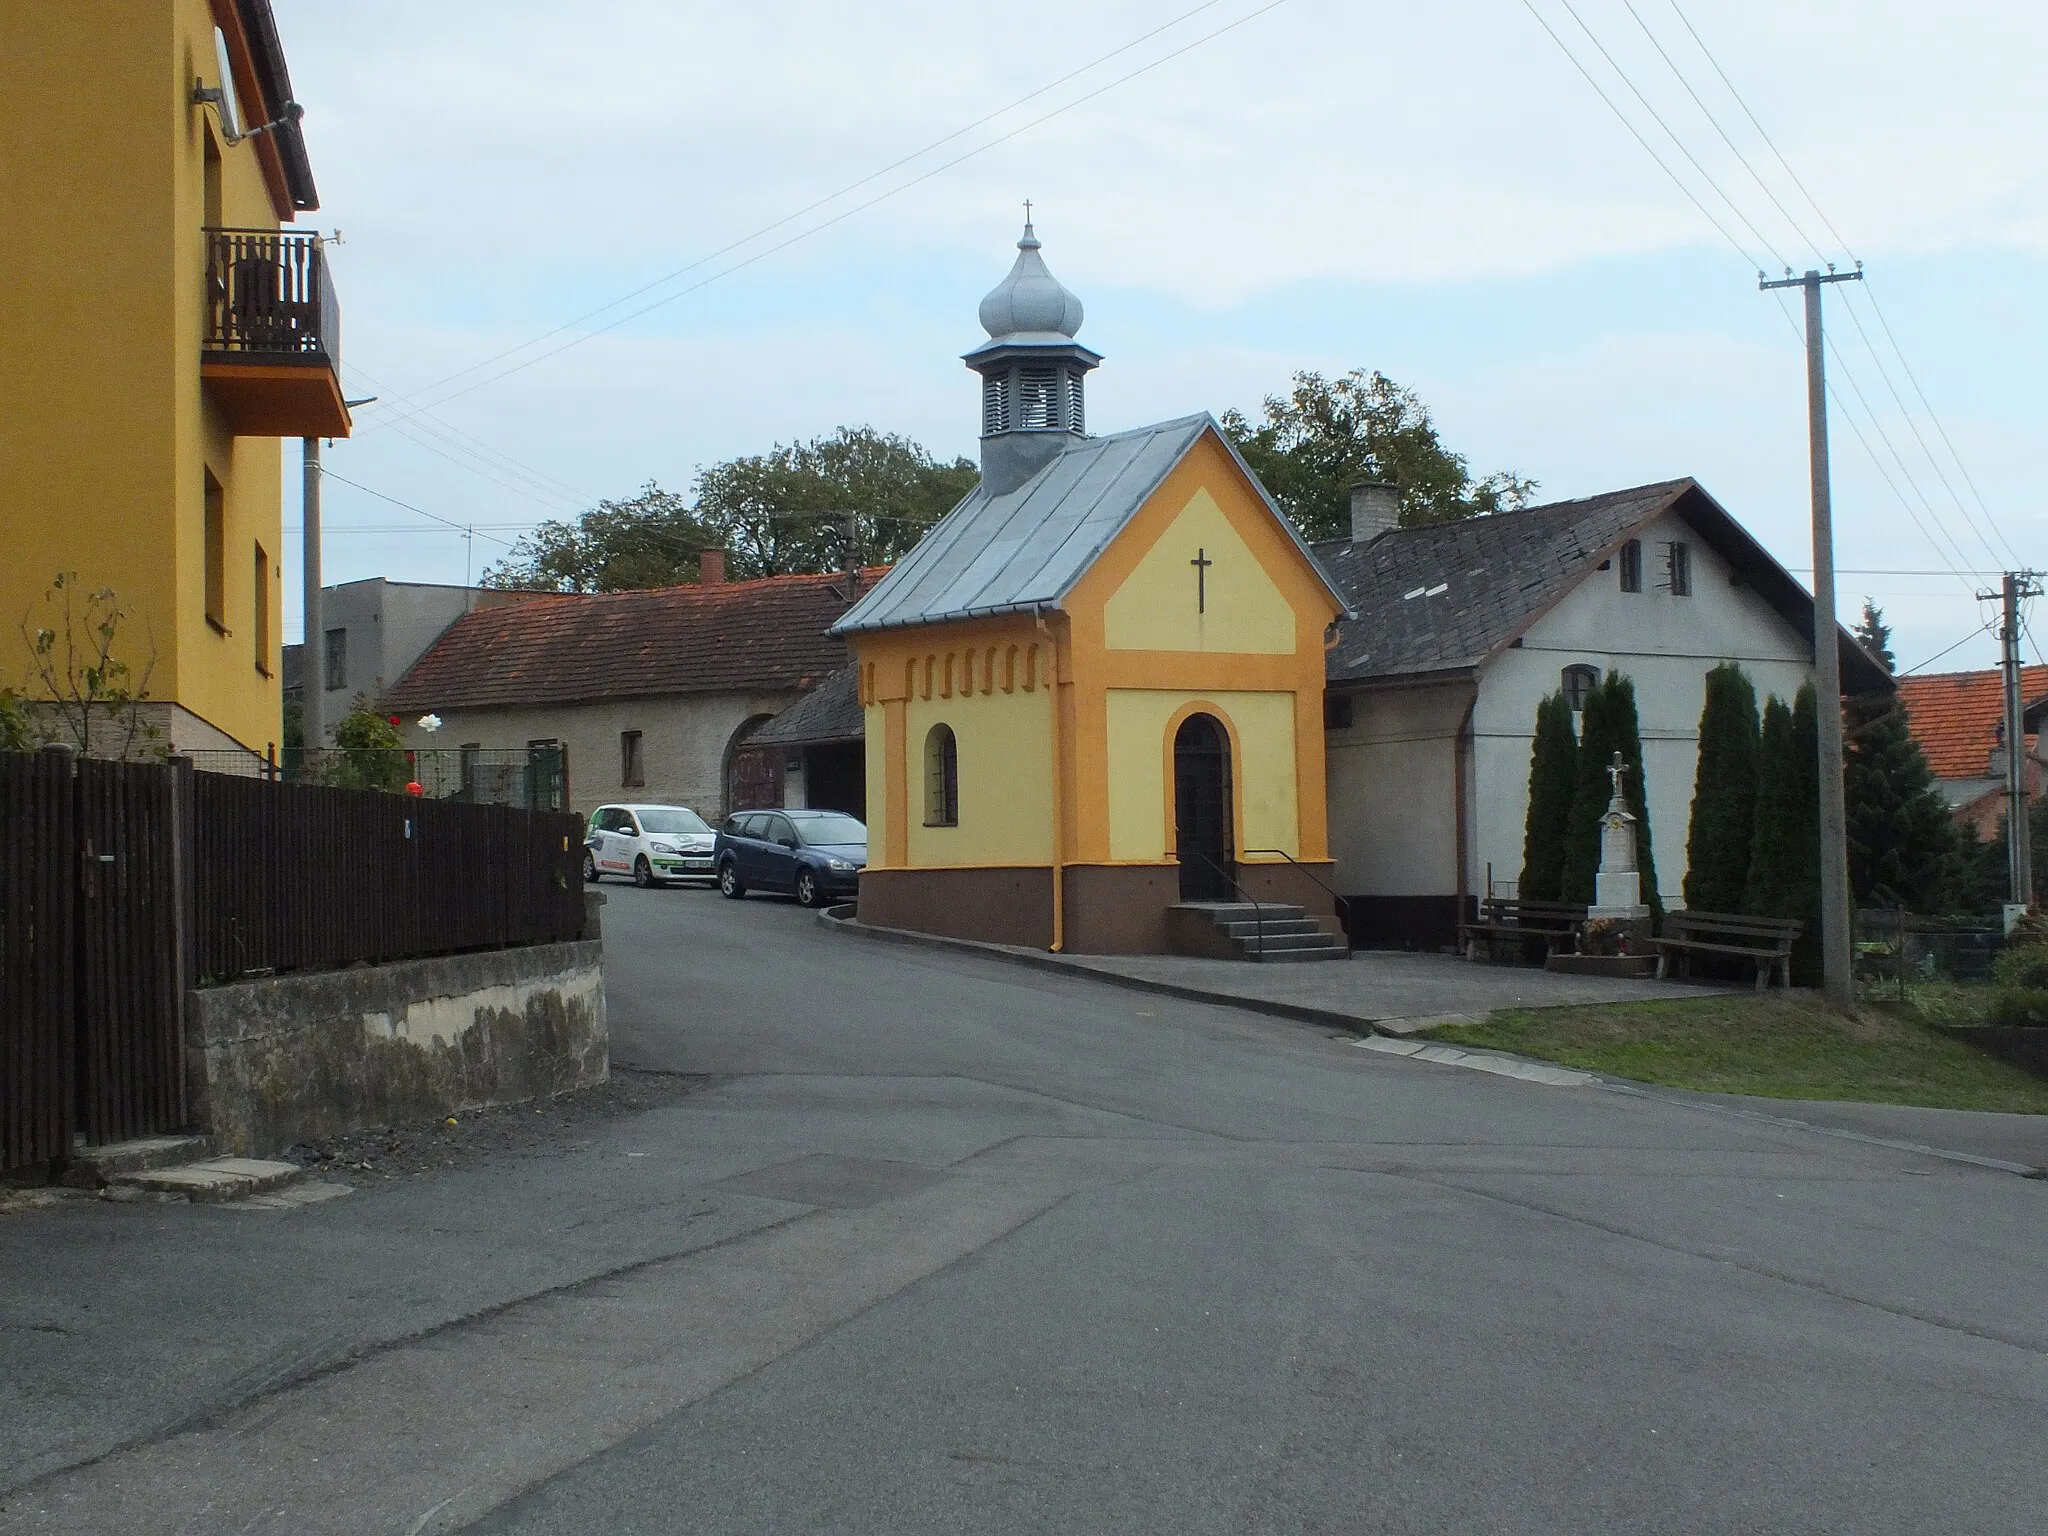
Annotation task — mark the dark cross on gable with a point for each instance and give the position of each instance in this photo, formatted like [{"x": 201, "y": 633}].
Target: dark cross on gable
[{"x": 1201, "y": 563}]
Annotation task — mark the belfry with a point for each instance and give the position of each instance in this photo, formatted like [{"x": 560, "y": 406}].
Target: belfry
[{"x": 1093, "y": 693}]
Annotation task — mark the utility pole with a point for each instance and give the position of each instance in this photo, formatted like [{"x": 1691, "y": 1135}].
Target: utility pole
[
  {"x": 1835, "y": 946},
  {"x": 313, "y": 649},
  {"x": 2019, "y": 846}
]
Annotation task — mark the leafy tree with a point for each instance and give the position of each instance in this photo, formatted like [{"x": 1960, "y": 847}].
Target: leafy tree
[
  {"x": 649, "y": 540},
  {"x": 1717, "y": 845},
  {"x": 1553, "y": 772},
  {"x": 1904, "y": 846},
  {"x": 774, "y": 513},
  {"x": 1784, "y": 861},
  {"x": 1635, "y": 784},
  {"x": 18, "y": 732},
  {"x": 784, "y": 510},
  {"x": 1591, "y": 790},
  {"x": 1314, "y": 442}
]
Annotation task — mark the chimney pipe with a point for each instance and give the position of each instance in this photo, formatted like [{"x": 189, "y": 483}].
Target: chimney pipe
[
  {"x": 1375, "y": 509},
  {"x": 711, "y": 568}
]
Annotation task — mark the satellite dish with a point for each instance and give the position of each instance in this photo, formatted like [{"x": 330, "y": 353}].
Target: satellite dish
[{"x": 230, "y": 107}]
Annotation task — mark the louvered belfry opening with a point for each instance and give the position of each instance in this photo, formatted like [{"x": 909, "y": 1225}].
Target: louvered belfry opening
[{"x": 1033, "y": 393}]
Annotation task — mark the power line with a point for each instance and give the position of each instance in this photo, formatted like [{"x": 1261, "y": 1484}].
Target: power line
[
  {"x": 844, "y": 214},
  {"x": 1657, "y": 117},
  {"x": 465, "y": 529},
  {"x": 830, "y": 197},
  {"x": 1708, "y": 114},
  {"x": 1930, "y": 661},
  {"x": 1636, "y": 133},
  {"x": 1769, "y": 142}
]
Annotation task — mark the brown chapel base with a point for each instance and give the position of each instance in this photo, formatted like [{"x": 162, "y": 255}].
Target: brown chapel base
[{"x": 1111, "y": 909}]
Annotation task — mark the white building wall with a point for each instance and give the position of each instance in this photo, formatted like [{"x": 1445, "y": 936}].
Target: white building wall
[
  {"x": 1393, "y": 793},
  {"x": 684, "y": 742},
  {"x": 1666, "y": 645}
]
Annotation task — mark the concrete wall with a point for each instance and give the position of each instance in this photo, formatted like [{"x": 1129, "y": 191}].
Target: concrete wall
[
  {"x": 684, "y": 742},
  {"x": 287, "y": 1059},
  {"x": 1393, "y": 798},
  {"x": 389, "y": 625},
  {"x": 1667, "y": 645}
]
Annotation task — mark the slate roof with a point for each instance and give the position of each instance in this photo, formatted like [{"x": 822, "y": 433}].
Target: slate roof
[
  {"x": 1027, "y": 548},
  {"x": 571, "y": 649},
  {"x": 1442, "y": 599},
  {"x": 1955, "y": 716},
  {"x": 831, "y": 712}
]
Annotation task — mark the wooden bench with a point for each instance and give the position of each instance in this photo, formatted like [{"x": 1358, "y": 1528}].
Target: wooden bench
[
  {"x": 1518, "y": 922},
  {"x": 1764, "y": 941}
]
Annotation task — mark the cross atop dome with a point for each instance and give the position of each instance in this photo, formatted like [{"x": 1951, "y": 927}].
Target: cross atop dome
[{"x": 1032, "y": 369}]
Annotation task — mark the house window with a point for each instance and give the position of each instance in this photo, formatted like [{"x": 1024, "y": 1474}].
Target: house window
[
  {"x": 1578, "y": 681},
  {"x": 1337, "y": 712},
  {"x": 1632, "y": 566},
  {"x": 335, "y": 663},
  {"x": 632, "y": 769},
  {"x": 1678, "y": 566},
  {"x": 216, "y": 555},
  {"x": 941, "y": 778},
  {"x": 260, "y": 571}
]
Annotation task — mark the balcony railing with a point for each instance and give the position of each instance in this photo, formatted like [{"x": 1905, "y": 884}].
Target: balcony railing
[{"x": 270, "y": 300}]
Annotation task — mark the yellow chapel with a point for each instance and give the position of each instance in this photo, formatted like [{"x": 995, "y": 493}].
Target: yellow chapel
[{"x": 1093, "y": 694}]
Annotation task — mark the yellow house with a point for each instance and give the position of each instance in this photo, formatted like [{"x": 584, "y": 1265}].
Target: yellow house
[
  {"x": 1093, "y": 694},
  {"x": 159, "y": 333}
]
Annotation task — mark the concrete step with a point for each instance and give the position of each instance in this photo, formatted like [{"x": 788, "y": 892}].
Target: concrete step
[
  {"x": 209, "y": 1182},
  {"x": 1314, "y": 938},
  {"x": 1241, "y": 911},
  {"x": 96, "y": 1167},
  {"x": 1335, "y": 951},
  {"x": 1273, "y": 927}
]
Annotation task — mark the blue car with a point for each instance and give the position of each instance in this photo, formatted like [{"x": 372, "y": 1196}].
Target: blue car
[{"x": 815, "y": 856}]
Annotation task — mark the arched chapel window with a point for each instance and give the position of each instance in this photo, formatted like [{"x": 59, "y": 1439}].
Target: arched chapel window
[
  {"x": 1578, "y": 680},
  {"x": 941, "y": 778}
]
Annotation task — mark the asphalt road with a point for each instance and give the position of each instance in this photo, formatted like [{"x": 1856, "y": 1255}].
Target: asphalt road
[{"x": 953, "y": 1246}]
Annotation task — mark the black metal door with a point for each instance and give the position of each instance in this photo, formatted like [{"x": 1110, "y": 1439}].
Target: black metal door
[{"x": 1202, "y": 810}]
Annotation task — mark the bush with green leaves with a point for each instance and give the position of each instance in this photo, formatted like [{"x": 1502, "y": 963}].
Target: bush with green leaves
[
  {"x": 368, "y": 754},
  {"x": 1717, "y": 844},
  {"x": 2018, "y": 1007}
]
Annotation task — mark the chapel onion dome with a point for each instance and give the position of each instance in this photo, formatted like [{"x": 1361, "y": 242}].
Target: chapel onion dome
[{"x": 1030, "y": 305}]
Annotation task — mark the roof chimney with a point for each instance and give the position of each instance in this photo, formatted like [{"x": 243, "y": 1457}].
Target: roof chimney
[
  {"x": 1375, "y": 509},
  {"x": 711, "y": 567}
]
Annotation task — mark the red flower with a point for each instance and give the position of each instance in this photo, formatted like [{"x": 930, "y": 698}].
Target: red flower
[{"x": 414, "y": 788}]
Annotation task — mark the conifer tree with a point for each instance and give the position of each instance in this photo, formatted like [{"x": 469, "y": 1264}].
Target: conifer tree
[
  {"x": 1717, "y": 844},
  {"x": 1784, "y": 865},
  {"x": 1553, "y": 770},
  {"x": 1590, "y": 792},
  {"x": 1627, "y": 739},
  {"x": 1904, "y": 849}
]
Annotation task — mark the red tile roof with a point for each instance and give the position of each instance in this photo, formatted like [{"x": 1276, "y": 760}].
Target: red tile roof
[
  {"x": 1955, "y": 717},
  {"x": 566, "y": 649}
]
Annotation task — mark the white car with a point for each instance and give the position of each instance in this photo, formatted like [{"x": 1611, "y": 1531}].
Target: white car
[{"x": 652, "y": 843}]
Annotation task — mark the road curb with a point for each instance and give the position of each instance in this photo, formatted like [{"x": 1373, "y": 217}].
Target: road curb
[{"x": 1058, "y": 965}]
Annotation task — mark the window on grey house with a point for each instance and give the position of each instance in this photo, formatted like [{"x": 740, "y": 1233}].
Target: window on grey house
[
  {"x": 1678, "y": 566},
  {"x": 337, "y": 659},
  {"x": 632, "y": 770},
  {"x": 1577, "y": 681},
  {"x": 1632, "y": 566}
]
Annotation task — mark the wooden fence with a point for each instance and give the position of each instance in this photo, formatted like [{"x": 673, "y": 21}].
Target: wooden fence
[{"x": 121, "y": 884}]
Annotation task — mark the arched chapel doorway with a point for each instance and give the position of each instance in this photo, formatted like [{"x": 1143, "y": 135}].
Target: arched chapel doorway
[{"x": 1202, "y": 831}]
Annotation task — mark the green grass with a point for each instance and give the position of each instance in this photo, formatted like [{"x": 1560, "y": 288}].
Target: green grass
[{"x": 1773, "y": 1045}]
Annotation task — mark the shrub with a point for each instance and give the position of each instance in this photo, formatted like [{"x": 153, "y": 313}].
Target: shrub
[
  {"x": 2018, "y": 1007},
  {"x": 1553, "y": 770},
  {"x": 1717, "y": 845},
  {"x": 2023, "y": 965}
]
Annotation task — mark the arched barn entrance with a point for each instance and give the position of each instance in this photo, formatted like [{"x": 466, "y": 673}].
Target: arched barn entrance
[{"x": 1202, "y": 832}]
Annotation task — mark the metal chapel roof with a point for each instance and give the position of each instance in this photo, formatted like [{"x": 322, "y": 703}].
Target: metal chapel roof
[{"x": 1028, "y": 548}]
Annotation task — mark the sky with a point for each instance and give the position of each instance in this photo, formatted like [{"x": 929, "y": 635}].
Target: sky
[{"x": 809, "y": 200}]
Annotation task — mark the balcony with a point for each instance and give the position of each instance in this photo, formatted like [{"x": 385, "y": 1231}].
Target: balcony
[{"x": 271, "y": 355}]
